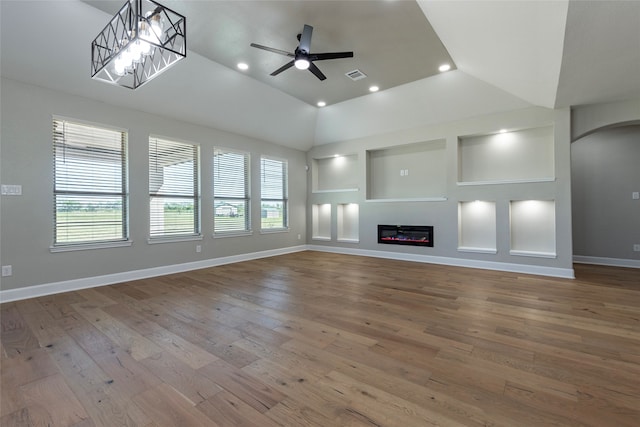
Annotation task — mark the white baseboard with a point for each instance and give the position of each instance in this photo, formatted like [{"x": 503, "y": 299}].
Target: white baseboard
[
  {"x": 613, "y": 262},
  {"x": 110, "y": 279},
  {"x": 566, "y": 273}
]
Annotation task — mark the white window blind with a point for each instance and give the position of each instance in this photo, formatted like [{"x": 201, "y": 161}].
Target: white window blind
[
  {"x": 174, "y": 190},
  {"x": 231, "y": 191},
  {"x": 273, "y": 203},
  {"x": 90, "y": 184}
]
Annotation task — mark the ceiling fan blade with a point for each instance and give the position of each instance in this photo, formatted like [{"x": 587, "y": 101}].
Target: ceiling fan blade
[
  {"x": 274, "y": 50},
  {"x": 305, "y": 39},
  {"x": 316, "y": 71},
  {"x": 284, "y": 67},
  {"x": 330, "y": 55}
]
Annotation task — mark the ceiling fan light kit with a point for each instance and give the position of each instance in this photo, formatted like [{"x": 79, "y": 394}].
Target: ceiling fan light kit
[
  {"x": 302, "y": 57},
  {"x": 141, "y": 41},
  {"x": 302, "y": 63}
]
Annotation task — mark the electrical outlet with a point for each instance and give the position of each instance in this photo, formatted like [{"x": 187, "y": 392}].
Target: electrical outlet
[
  {"x": 635, "y": 195},
  {"x": 299, "y": 237},
  {"x": 7, "y": 270},
  {"x": 198, "y": 248},
  {"x": 636, "y": 248}
]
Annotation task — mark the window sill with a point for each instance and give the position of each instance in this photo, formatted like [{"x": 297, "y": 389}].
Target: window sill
[
  {"x": 232, "y": 234},
  {"x": 274, "y": 230},
  {"x": 89, "y": 246},
  {"x": 158, "y": 240}
]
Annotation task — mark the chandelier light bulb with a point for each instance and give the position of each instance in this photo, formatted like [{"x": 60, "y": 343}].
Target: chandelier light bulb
[
  {"x": 125, "y": 56},
  {"x": 135, "y": 51},
  {"x": 119, "y": 66},
  {"x": 156, "y": 28},
  {"x": 145, "y": 47}
]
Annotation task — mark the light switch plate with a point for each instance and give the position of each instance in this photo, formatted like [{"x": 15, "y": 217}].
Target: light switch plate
[
  {"x": 635, "y": 195},
  {"x": 11, "y": 190}
]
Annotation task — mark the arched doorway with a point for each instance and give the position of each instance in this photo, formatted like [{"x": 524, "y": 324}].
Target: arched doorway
[{"x": 605, "y": 177}]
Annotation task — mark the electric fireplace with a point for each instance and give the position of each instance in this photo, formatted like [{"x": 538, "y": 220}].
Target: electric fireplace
[{"x": 415, "y": 235}]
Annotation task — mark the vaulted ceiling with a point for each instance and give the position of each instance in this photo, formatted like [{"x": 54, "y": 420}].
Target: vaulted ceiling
[{"x": 504, "y": 55}]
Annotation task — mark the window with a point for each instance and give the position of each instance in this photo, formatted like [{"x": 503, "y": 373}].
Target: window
[
  {"x": 230, "y": 192},
  {"x": 273, "y": 203},
  {"x": 174, "y": 190},
  {"x": 89, "y": 184}
]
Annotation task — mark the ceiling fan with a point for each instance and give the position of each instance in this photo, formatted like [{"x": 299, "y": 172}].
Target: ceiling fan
[{"x": 302, "y": 57}]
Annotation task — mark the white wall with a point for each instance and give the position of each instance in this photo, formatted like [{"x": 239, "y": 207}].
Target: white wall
[{"x": 26, "y": 223}]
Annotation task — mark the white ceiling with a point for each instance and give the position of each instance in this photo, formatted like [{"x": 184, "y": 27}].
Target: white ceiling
[{"x": 508, "y": 55}]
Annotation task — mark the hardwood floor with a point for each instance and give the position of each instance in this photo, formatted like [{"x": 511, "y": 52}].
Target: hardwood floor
[{"x": 318, "y": 339}]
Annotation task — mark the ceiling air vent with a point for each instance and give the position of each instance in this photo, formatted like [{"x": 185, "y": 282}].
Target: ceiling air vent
[{"x": 356, "y": 75}]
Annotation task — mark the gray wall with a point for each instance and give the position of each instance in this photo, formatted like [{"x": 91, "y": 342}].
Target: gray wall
[
  {"x": 605, "y": 170},
  {"x": 444, "y": 214},
  {"x": 26, "y": 221}
]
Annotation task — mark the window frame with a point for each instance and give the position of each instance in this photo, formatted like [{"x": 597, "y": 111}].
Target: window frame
[
  {"x": 247, "y": 230},
  {"x": 123, "y": 193},
  {"x": 196, "y": 196},
  {"x": 285, "y": 194}
]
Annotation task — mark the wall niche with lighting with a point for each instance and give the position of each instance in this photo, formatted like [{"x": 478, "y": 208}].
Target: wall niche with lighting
[
  {"x": 477, "y": 227},
  {"x": 337, "y": 173},
  {"x": 407, "y": 172},
  {"x": 507, "y": 157},
  {"x": 533, "y": 228},
  {"x": 321, "y": 221},
  {"x": 348, "y": 222}
]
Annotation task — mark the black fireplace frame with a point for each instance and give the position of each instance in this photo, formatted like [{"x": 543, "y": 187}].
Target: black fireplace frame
[{"x": 412, "y": 235}]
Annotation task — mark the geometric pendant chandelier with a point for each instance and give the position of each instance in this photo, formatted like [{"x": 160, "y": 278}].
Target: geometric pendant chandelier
[{"x": 142, "y": 40}]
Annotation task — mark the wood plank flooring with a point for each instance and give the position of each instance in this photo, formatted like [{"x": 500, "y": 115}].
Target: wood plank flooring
[{"x": 318, "y": 339}]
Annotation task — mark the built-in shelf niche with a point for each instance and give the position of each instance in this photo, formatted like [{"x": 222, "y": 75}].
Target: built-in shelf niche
[
  {"x": 477, "y": 227},
  {"x": 321, "y": 222},
  {"x": 407, "y": 172},
  {"x": 348, "y": 218},
  {"x": 334, "y": 174},
  {"x": 533, "y": 228},
  {"x": 509, "y": 157}
]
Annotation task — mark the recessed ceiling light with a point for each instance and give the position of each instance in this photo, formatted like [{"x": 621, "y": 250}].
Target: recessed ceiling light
[
  {"x": 502, "y": 131},
  {"x": 374, "y": 89},
  {"x": 321, "y": 103},
  {"x": 444, "y": 67},
  {"x": 243, "y": 66}
]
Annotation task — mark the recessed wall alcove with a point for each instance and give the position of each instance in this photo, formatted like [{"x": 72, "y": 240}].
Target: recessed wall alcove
[
  {"x": 348, "y": 222},
  {"x": 413, "y": 172},
  {"x": 510, "y": 157},
  {"x": 321, "y": 221},
  {"x": 477, "y": 226},
  {"x": 335, "y": 174},
  {"x": 533, "y": 228}
]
